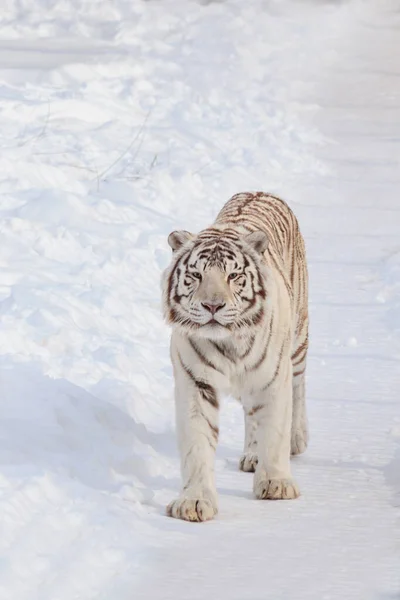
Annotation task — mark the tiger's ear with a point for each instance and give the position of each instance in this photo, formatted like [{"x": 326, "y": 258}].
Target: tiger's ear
[
  {"x": 257, "y": 240},
  {"x": 177, "y": 238}
]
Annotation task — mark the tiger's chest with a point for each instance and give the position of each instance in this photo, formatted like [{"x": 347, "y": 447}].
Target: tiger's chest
[{"x": 244, "y": 363}]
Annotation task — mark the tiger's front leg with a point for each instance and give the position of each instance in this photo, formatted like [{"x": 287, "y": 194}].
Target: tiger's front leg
[
  {"x": 273, "y": 410},
  {"x": 196, "y": 405}
]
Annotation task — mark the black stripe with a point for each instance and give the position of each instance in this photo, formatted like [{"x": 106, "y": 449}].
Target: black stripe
[
  {"x": 255, "y": 409},
  {"x": 172, "y": 274},
  {"x": 224, "y": 351},
  {"x": 214, "y": 429},
  {"x": 249, "y": 348},
  {"x": 300, "y": 349},
  {"x": 300, "y": 358},
  {"x": 258, "y": 317},
  {"x": 207, "y": 392},
  {"x": 297, "y": 373},
  {"x": 173, "y": 316},
  {"x": 264, "y": 354},
  {"x": 201, "y": 356},
  {"x": 278, "y": 366}
]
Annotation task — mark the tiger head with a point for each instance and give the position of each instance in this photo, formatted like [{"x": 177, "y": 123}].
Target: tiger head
[{"x": 215, "y": 284}]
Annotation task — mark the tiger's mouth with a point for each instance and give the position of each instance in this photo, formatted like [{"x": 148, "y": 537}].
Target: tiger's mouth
[
  {"x": 214, "y": 323},
  {"x": 214, "y": 330}
]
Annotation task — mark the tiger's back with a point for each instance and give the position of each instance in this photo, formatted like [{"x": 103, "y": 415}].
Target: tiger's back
[{"x": 286, "y": 250}]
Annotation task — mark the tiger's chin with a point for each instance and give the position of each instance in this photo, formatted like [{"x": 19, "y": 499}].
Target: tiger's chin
[{"x": 214, "y": 331}]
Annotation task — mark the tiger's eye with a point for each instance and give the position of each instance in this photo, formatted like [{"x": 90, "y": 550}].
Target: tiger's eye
[
  {"x": 196, "y": 275},
  {"x": 232, "y": 276}
]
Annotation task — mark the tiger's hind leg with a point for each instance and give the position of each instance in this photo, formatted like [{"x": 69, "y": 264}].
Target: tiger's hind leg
[
  {"x": 249, "y": 459},
  {"x": 272, "y": 406},
  {"x": 299, "y": 436}
]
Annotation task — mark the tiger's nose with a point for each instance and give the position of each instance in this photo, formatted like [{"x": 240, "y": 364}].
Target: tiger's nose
[{"x": 213, "y": 307}]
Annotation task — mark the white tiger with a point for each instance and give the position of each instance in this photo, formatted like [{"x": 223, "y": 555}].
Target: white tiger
[{"x": 236, "y": 297}]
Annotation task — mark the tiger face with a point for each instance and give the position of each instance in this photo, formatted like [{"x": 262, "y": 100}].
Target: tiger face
[{"x": 215, "y": 285}]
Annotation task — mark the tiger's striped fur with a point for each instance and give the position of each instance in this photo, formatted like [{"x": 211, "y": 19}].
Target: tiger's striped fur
[{"x": 236, "y": 296}]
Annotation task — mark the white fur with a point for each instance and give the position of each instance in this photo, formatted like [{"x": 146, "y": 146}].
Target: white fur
[{"x": 211, "y": 360}]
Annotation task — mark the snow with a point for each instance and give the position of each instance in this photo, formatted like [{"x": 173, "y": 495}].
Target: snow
[{"x": 121, "y": 122}]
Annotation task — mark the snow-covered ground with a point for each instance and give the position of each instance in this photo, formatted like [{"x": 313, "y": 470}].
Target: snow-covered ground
[{"x": 121, "y": 121}]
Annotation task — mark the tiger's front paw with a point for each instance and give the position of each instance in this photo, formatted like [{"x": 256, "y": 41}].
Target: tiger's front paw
[
  {"x": 193, "y": 507},
  {"x": 248, "y": 462},
  {"x": 275, "y": 489}
]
